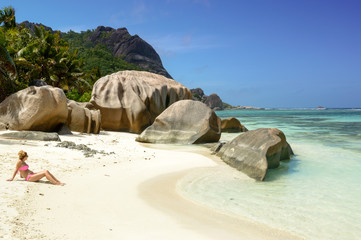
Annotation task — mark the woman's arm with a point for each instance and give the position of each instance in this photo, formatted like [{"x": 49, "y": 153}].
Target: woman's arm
[{"x": 18, "y": 165}]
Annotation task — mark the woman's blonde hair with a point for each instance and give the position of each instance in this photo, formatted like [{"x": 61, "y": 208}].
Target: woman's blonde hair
[{"x": 22, "y": 155}]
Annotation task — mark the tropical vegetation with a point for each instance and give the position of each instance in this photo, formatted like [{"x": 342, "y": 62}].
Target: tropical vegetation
[
  {"x": 27, "y": 55},
  {"x": 96, "y": 55}
]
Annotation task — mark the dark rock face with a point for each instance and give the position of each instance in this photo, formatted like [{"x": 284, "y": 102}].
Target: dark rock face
[
  {"x": 197, "y": 94},
  {"x": 232, "y": 125},
  {"x": 184, "y": 122},
  {"x": 64, "y": 130},
  {"x": 135, "y": 49},
  {"x": 254, "y": 152},
  {"x": 37, "y": 83},
  {"x": 214, "y": 102},
  {"x": 121, "y": 43},
  {"x": 31, "y": 26},
  {"x": 32, "y": 135}
]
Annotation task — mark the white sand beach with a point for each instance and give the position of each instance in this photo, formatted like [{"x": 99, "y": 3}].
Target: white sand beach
[{"x": 127, "y": 194}]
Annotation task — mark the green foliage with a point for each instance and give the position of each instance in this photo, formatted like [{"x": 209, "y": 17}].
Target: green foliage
[
  {"x": 196, "y": 95},
  {"x": 96, "y": 55},
  {"x": 65, "y": 60},
  {"x": 42, "y": 55},
  {"x": 7, "y": 17},
  {"x": 227, "y": 106},
  {"x": 7, "y": 72},
  {"x": 75, "y": 95}
]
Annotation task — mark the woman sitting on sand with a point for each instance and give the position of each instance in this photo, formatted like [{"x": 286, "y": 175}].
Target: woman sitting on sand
[{"x": 23, "y": 168}]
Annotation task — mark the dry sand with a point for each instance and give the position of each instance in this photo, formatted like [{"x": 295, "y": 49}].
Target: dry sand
[{"x": 127, "y": 194}]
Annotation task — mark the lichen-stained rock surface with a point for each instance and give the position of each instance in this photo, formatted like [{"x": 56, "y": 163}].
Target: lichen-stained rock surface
[
  {"x": 34, "y": 108},
  {"x": 131, "y": 100},
  {"x": 83, "y": 118},
  {"x": 255, "y": 151},
  {"x": 184, "y": 122},
  {"x": 232, "y": 125}
]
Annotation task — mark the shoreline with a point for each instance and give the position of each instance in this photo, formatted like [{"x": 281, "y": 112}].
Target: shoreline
[
  {"x": 215, "y": 224},
  {"x": 114, "y": 196}
]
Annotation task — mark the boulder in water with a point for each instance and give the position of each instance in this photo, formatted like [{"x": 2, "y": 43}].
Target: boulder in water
[
  {"x": 255, "y": 151},
  {"x": 232, "y": 125}
]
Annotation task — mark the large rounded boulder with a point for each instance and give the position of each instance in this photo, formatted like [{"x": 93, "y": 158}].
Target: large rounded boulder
[
  {"x": 83, "y": 118},
  {"x": 232, "y": 125},
  {"x": 34, "y": 108},
  {"x": 255, "y": 151},
  {"x": 214, "y": 101},
  {"x": 184, "y": 122},
  {"x": 131, "y": 100}
]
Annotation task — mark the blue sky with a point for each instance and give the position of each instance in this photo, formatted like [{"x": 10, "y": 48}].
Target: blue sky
[{"x": 265, "y": 53}]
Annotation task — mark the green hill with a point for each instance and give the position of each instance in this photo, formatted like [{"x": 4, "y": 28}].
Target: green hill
[{"x": 96, "y": 55}]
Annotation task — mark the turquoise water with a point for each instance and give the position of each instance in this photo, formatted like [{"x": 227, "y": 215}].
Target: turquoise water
[{"x": 317, "y": 195}]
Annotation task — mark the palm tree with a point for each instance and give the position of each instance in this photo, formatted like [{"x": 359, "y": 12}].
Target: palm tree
[
  {"x": 48, "y": 58},
  {"x": 7, "y": 74},
  {"x": 7, "y": 17}
]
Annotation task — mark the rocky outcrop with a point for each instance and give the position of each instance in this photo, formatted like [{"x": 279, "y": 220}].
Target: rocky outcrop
[
  {"x": 248, "y": 108},
  {"x": 34, "y": 108},
  {"x": 37, "y": 83},
  {"x": 255, "y": 151},
  {"x": 214, "y": 102},
  {"x": 184, "y": 122},
  {"x": 83, "y": 118},
  {"x": 32, "y": 135},
  {"x": 134, "y": 49},
  {"x": 31, "y": 26},
  {"x": 131, "y": 100},
  {"x": 232, "y": 125},
  {"x": 197, "y": 94}
]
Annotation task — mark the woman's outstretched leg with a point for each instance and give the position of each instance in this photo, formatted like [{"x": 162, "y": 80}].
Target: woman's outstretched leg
[
  {"x": 37, "y": 176},
  {"x": 52, "y": 176}
]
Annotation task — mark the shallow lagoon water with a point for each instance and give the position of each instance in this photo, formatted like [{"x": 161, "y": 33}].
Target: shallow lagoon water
[{"x": 317, "y": 195}]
